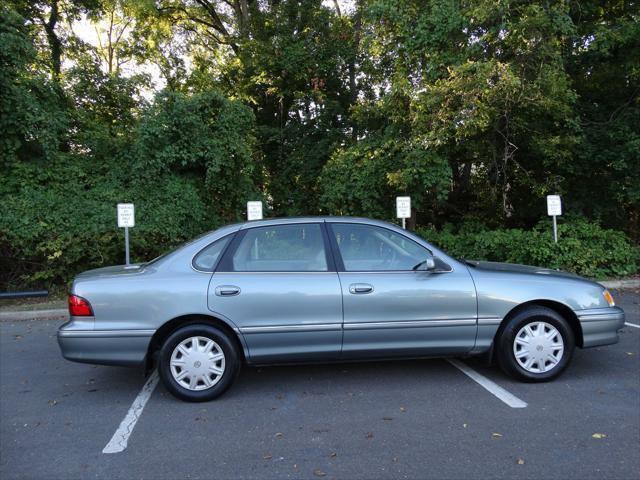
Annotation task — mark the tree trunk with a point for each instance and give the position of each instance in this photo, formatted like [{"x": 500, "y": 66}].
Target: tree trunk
[
  {"x": 353, "y": 87},
  {"x": 55, "y": 45}
]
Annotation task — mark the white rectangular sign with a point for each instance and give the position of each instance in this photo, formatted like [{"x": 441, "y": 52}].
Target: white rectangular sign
[
  {"x": 254, "y": 210},
  {"x": 126, "y": 215},
  {"x": 554, "y": 205},
  {"x": 403, "y": 207}
]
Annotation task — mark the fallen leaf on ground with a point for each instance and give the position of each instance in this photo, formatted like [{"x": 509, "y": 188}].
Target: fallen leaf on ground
[
  {"x": 369, "y": 434},
  {"x": 387, "y": 418},
  {"x": 333, "y": 455},
  {"x": 464, "y": 425},
  {"x": 402, "y": 409},
  {"x": 268, "y": 456},
  {"x": 279, "y": 434},
  {"x": 496, "y": 434},
  {"x": 599, "y": 435},
  {"x": 629, "y": 353},
  {"x": 520, "y": 461},
  {"x": 53, "y": 402},
  {"x": 319, "y": 473}
]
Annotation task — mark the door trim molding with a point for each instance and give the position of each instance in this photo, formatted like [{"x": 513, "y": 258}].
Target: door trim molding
[
  {"x": 458, "y": 322},
  {"x": 489, "y": 321},
  {"x": 448, "y": 322},
  {"x": 292, "y": 328}
]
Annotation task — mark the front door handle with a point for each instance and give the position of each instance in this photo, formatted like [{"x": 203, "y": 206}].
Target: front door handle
[
  {"x": 227, "y": 290},
  {"x": 360, "y": 288}
]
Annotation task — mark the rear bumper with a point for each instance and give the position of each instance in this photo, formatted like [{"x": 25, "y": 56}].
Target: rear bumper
[
  {"x": 104, "y": 347},
  {"x": 600, "y": 325}
]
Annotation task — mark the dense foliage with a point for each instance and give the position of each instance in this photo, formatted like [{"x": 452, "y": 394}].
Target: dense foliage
[
  {"x": 583, "y": 248},
  {"x": 189, "y": 108}
]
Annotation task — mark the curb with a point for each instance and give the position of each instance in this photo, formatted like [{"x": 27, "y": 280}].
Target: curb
[
  {"x": 621, "y": 284},
  {"x": 59, "y": 313}
]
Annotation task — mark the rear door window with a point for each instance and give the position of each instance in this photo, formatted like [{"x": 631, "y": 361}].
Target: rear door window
[{"x": 282, "y": 248}]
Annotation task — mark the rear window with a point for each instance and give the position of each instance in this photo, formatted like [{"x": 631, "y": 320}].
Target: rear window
[{"x": 207, "y": 259}]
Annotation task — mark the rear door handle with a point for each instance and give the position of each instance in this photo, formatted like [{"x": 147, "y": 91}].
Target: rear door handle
[
  {"x": 360, "y": 288},
  {"x": 227, "y": 290}
]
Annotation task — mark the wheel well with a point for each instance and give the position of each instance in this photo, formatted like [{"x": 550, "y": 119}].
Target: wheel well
[
  {"x": 561, "y": 309},
  {"x": 172, "y": 325}
]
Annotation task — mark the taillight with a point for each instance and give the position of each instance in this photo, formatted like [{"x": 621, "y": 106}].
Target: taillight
[{"x": 79, "y": 307}]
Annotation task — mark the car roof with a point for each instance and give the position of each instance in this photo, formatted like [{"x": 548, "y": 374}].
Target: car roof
[{"x": 313, "y": 219}]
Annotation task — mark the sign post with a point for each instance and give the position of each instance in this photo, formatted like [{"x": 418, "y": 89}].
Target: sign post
[
  {"x": 126, "y": 219},
  {"x": 554, "y": 209},
  {"x": 403, "y": 209},
  {"x": 254, "y": 210}
]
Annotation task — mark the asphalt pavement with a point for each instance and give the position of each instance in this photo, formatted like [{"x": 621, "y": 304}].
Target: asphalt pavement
[{"x": 404, "y": 419}]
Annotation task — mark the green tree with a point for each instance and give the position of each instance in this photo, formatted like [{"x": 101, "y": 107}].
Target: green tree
[
  {"x": 204, "y": 135},
  {"x": 32, "y": 120},
  {"x": 604, "y": 65}
]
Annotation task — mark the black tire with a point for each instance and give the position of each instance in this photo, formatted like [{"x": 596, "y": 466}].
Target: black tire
[
  {"x": 505, "y": 344},
  {"x": 231, "y": 362}
]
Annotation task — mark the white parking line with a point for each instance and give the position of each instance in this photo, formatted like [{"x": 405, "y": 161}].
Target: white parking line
[
  {"x": 119, "y": 440},
  {"x": 632, "y": 324},
  {"x": 494, "y": 388}
]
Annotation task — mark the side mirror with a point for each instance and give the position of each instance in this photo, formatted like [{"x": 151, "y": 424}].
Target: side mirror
[
  {"x": 426, "y": 265},
  {"x": 430, "y": 264}
]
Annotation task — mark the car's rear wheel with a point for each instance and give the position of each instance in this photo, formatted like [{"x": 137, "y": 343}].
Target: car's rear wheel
[
  {"x": 535, "y": 345},
  {"x": 198, "y": 362}
]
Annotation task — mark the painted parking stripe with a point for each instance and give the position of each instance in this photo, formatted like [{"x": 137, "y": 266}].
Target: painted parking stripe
[
  {"x": 632, "y": 324},
  {"x": 119, "y": 440},
  {"x": 491, "y": 387}
]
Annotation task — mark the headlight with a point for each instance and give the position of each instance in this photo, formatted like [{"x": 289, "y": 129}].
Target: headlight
[{"x": 607, "y": 296}]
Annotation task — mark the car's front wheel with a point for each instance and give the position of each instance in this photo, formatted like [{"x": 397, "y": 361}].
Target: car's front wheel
[
  {"x": 535, "y": 345},
  {"x": 198, "y": 362}
]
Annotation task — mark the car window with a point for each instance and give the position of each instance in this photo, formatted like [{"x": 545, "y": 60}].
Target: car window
[
  {"x": 207, "y": 258},
  {"x": 282, "y": 248},
  {"x": 367, "y": 248}
]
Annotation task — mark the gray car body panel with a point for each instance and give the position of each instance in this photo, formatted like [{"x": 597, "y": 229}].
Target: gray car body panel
[{"x": 313, "y": 316}]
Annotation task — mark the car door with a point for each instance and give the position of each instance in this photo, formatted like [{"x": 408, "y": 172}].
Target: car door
[
  {"x": 278, "y": 285},
  {"x": 390, "y": 309}
]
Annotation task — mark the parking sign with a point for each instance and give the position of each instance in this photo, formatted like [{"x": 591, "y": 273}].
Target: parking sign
[
  {"x": 554, "y": 205},
  {"x": 254, "y": 210},
  {"x": 126, "y": 215},
  {"x": 403, "y": 207}
]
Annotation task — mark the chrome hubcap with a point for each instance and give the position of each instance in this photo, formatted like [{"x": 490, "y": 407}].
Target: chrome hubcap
[
  {"x": 197, "y": 363},
  {"x": 538, "y": 347}
]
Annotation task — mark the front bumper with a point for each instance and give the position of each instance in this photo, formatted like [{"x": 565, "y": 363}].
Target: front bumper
[
  {"x": 79, "y": 343},
  {"x": 600, "y": 325}
]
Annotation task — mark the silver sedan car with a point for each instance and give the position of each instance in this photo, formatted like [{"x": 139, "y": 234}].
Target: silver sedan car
[{"x": 324, "y": 289}]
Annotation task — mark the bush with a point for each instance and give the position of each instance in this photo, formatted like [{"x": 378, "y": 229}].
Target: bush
[
  {"x": 584, "y": 248},
  {"x": 61, "y": 220}
]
